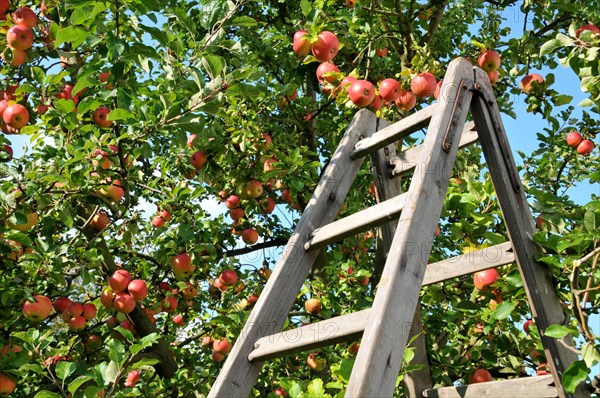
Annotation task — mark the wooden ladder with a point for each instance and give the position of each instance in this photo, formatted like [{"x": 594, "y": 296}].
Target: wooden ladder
[{"x": 410, "y": 217}]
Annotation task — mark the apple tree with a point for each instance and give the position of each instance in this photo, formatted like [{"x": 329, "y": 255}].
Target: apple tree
[{"x": 170, "y": 146}]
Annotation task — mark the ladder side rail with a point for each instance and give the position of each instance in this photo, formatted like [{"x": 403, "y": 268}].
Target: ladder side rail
[
  {"x": 238, "y": 375},
  {"x": 543, "y": 300},
  {"x": 397, "y": 295},
  {"x": 535, "y": 387},
  {"x": 388, "y": 187}
]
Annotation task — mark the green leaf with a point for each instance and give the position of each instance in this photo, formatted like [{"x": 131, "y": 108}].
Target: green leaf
[
  {"x": 315, "y": 388},
  {"x": 562, "y": 99},
  {"x": 591, "y": 220},
  {"x": 243, "y": 90},
  {"x": 467, "y": 306},
  {"x": 47, "y": 394},
  {"x": 574, "y": 375},
  {"x": 503, "y": 310},
  {"x": 110, "y": 373},
  {"x": 75, "y": 384},
  {"x": 72, "y": 34},
  {"x": 65, "y": 369},
  {"x": 119, "y": 114},
  {"x": 306, "y": 7},
  {"x": 211, "y": 12},
  {"x": 213, "y": 65},
  {"x": 590, "y": 355},
  {"x": 343, "y": 369},
  {"x": 145, "y": 342},
  {"x": 145, "y": 362},
  {"x": 243, "y": 21},
  {"x": 557, "y": 331}
]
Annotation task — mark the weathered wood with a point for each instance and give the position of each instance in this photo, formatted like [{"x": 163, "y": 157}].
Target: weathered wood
[
  {"x": 239, "y": 374},
  {"x": 534, "y": 387},
  {"x": 388, "y": 187},
  {"x": 394, "y": 132},
  {"x": 407, "y": 161},
  {"x": 320, "y": 334},
  {"x": 545, "y": 305},
  {"x": 397, "y": 295},
  {"x": 490, "y": 257},
  {"x": 358, "y": 222}
]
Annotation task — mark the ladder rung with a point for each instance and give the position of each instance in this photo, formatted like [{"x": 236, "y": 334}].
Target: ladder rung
[
  {"x": 351, "y": 326},
  {"x": 407, "y": 161},
  {"x": 538, "y": 386},
  {"x": 328, "y": 332},
  {"x": 478, "y": 260},
  {"x": 361, "y": 221},
  {"x": 394, "y": 132}
]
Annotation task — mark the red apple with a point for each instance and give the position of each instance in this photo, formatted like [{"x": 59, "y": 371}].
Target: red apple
[
  {"x": 253, "y": 189},
  {"x": 169, "y": 304},
  {"x": 100, "y": 117},
  {"x": 16, "y": 116},
  {"x": 279, "y": 391},
  {"x": 349, "y": 4},
  {"x": 542, "y": 369},
  {"x": 38, "y": 310},
  {"x": 347, "y": 82},
  {"x": 389, "y": 89},
  {"x": 480, "y": 376},
  {"x": 61, "y": 304},
  {"x": 326, "y": 67},
  {"x": 236, "y": 214},
  {"x": 114, "y": 192},
  {"x": 74, "y": 309},
  {"x": 249, "y": 236},
  {"x": 493, "y": 76},
  {"x": 232, "y": 202},
  {"x": 222, "y": 346},
  {"x": 361, "y": 93},
  {"x": 315, "y": 362},
  {"x": 7, "y": 385},
  {"x": 189, "y": 292},
  {"x": 301, "y": 45},
  {"x": 89, "y": 311},
  {"x": 527, "y": 82},
  {"x": 526, "y": 325},
  {"x": 217, "y": 357},
  {"x": 326, "y": 47},
  {"x": 119, "y": 280},
  {"x": 18, "y": 57},
  {"x": 489, "y": 60},
  {"x": 138, "y": 289},
  {"x": 158, "y": 222},
  {"x": 268, "y": 205},
  {"x": 573, "y": 139},
  {"x": 103, "y": 76},
  {"x": 107, "y": 298},
  {"x": 77, "y": 323},
  {"x": 381, "y": 52},
  {"x": 485, "y": 278},
  {"x": 19, "y": 37},
  {"x": 592, "y": 28},
  {"x": 376, "y": 104},
  {"x": 4, "y": 6},
  {"x": 25, "y": 16},
  {"x": 182, "y": 265},
  {"x": 438, "y": 89},
  {"x": 228, "y": 277},
  {"x": 132, "y": 378},
  {"x": 198, "y": 159},
  {"x": 165, "y": 214},
  {"x": 124, "y": 303},
  {"x": 313, "y": 306},
  {"x": 585, "y": 147},
  {"x": 406, "y": 100},
  {"x": 99, "y": 221},
  {"x": 178, "y": 320},
  {"x": 423, "y": 85}
]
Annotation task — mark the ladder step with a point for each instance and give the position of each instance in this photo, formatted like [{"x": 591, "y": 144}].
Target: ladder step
[
  {"x": 408, "y": 160},
  {"x": 328, "y": 332},
  {"x": 394, "y": 132},
  {"x": 351, "y": 326},
  {"x": 361, "y": 221},
  {"x": 538, "y": 386}
]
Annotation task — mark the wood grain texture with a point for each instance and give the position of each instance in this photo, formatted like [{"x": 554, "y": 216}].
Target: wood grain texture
[
  {"x": 238, "y": 374},
  {"x": 394, "y": 132},
  {"x": 525, "y": 387},
  {"x": 545, "y": 305},
  {"x": 397, "y": 295}
]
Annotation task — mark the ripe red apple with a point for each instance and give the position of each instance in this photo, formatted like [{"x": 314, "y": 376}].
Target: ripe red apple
[
  {"x": 313, "y": 306},
  {"x": 103, "y": 76},
  {"x": 381, "y": 52},
  {"x": 19, "y": 37},
  {"x": 350, "y": 4},
  {"x": 526, "y": 325},
  {"x": 268, "y": 205},
  {"x": 279, "y": 391},
  {"x": 353, "y": 349},
  {"x": 573, "y": 139},
  {"x": 527, "y": 82},
  {"x": 376, "y": 104},
  {"x": 249, "y": 236},
  {"x": 93, "y": 342},
  {"x": 182, "y": 265},
  {"x": 189, "y": 292},
  {"x": 7, "y": 384},
  {"x": 25, "y": 16},
  {"x": 217, "y": 357},
  {"x": 124, "y": 303},
  {"x": 74, "y": 309},
  {"x": 165, "y": 214},
  {"x": 100, "y": 117},
  {"x": 107, "y": 297},
  {"x": 77, "y": 323},
  {"x": 132, "y": 378},
  {"x": 232, "y": 201},
  {"x": 485, "y": 278},
  {"x": 590, "y": 27},
  {"x": 326, "y": 67},
  {"x": 423, "y": 85},
  {"x": 178, "y": 320},
  {"x": 539, "y": 222},
  {"x": 99, "y": 221},
  {"x": 315, "y": 362},
  {"x": 38, "y": 310},
  {"x": 198, "y": 159},
  {"x": 480, "y": 376},
  {"x": 326, "y": 47},
  {"x": 31, "y": 220},
  {"x": 138, "y": 289},
  {"x": 542, "y": 369},
  {"x": 361, "y": 93},
  {"x": 301, "y": 45},
  {"x": 406, "y": 100},
  {"x": 119, "y": 280},
  {"x": 158, "y": 222},
  {"x": 347, "y": 82},
  {"x": 228, "y": 277},
  {"x": 61, "y": 303},
  {"x": 585, "y": 147},
  {"x": 389, "y": 89},
  {"x": 4, "y": 6},
  {"x": 114, "y": 192},
  {"x": 169, "y": 304},
  {"x": 89, "y": 311},
  {"x": 16, "y": 116},
  {"x": 489, "y": 60},
  {"x": 438, "y": 89},
  {"x": 222, "y": 346},
  {"x": 236, "y": 214},
  {"x": 17, "y": 57}
]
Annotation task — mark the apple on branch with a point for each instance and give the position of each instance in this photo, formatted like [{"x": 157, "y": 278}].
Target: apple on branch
[{"x": 423, "y": 85}]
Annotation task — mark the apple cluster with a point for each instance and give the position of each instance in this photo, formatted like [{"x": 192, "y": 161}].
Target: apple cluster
[
  {"x": 75, "y": 314},
  {"x": 19, "y": 36},
  {"x": 123, "y": 292},
  {"x": 575, "y": 140}
]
